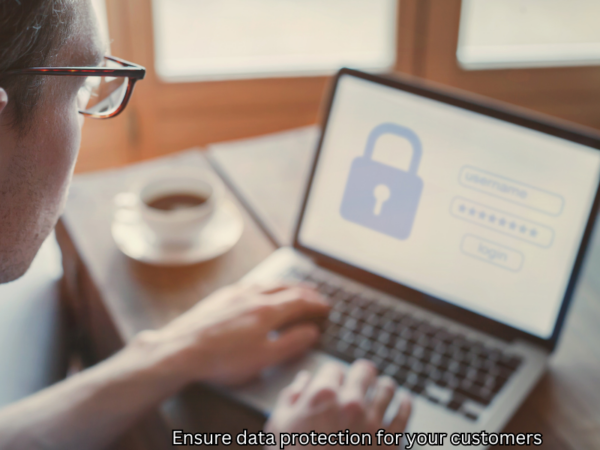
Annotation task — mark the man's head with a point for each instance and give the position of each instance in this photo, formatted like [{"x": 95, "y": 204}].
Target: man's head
[{"x": 39, "y": 120}]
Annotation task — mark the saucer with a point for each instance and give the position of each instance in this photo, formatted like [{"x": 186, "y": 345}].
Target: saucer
[{"x": 136, "y": 240}]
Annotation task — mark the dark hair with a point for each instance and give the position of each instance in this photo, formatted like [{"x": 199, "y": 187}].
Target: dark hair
[{"x": 31, "y": 33}]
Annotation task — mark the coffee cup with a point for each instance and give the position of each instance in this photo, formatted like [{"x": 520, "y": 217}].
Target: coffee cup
[{"x": 175, "y": 207}]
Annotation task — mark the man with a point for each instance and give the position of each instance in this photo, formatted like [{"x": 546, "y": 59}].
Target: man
[{"x": 226, "y": 339}]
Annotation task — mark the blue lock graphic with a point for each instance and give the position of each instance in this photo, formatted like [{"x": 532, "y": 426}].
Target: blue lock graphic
[{"x": 381, "y": 197}]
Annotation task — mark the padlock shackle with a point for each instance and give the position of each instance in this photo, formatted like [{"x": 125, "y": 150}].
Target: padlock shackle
[{"x": 398, "y": 130}]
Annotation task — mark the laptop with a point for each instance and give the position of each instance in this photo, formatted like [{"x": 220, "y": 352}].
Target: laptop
[{"x": 447, "y": 232}]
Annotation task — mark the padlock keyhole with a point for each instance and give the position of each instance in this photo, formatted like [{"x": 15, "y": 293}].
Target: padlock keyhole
[{"x": 381, "y": 194}]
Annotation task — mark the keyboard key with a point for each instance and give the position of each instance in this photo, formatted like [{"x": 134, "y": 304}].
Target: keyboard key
[
  {"x": 426, "y": 356},
  {"x": 488, "y": 364},
  {"x": 336, "y": 317},
  {"x": 401, "y": 377},
  {"x": 496, "y": 385},
  {"x": 480, "y": 379},
  {"x": 462, "y": 371},
  {"x": 450, "y": 380},
  {"x": 509, "y": 361},
  {"x": 360, "y": 301},
  {"x": 440, "y": 347},
  {"x": 431, "y": 345},
  {"x": 359, "y": 353},
  {"x": 444, "y": 363},
  {"x": 347, "y": 335},
  {"x": 416, "y": 366},
  {"x": 418, "y": 351},
  {"x": 381, "y": 350},
  {"x": 409, "y": 322},
  {"x": 456, "y": 403},
  {"x": 435, "y": 358},
  {"x": 442, "y": 382},
  {"x": 377, "y": 308},
  {"x": 351, "y": 323},
  {"x": 502, "y": 372},
  {"x": 391, "y": 370},
  {"x": 384, "y": 338},
  {"x": 401, "y": 359},
  {"x": 429, "y": 369},
  {"x": 379, "y": 362},
  {"x": 471, "y": 416},
  {"x": 407, "y": 334},
  {"x": 454, "y": 366},
  {"x": 401, "y": 345},
  {"x": 365, "y": 343},
  {"x": 412, "y": 378},
  {"x": 441, "y": 334},
  {"x": 357, "y": 313},
  {"x": 390, "y": 326},
  {"x": 417, "y": 388},
  {"x": 373, "y": 319},
  {"x": 494, "y": 354},
  {"x": 342, "y": 346},
  {"x": 474, "y": 392},
  {"x": 397, "y": 316},
  {"x": 367, "y": 330},
  {"x": 341, "y": 307}
]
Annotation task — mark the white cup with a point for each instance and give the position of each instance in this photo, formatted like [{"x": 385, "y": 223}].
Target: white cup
[{"x": 175, "y": 227}]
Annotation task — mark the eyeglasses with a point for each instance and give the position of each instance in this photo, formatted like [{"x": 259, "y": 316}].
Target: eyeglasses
[{"x": 106, "y": 90}]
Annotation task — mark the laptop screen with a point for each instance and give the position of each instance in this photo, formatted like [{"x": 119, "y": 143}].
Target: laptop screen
[{"x": 479, "y": 212}]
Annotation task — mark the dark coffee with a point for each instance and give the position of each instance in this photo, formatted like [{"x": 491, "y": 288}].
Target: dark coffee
[{"x": 172, "y": 202}]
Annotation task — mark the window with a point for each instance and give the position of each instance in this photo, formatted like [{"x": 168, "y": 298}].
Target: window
[
  {"x": 528, "y": 33},
  {"x": 252, "y": 58},
  {"x": 226, "y": 39}
]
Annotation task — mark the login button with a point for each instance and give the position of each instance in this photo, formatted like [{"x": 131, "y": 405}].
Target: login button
[{"x": 492, "y": 253}]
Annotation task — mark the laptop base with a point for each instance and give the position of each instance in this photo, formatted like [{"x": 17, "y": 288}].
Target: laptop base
[{"x": 427, "y": 417}]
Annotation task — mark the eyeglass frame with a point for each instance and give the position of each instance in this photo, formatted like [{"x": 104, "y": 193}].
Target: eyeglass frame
[{"x": 133, "y": 72}]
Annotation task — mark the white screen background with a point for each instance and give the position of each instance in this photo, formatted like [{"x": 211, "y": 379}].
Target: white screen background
[{"x": 431, "y": 260}]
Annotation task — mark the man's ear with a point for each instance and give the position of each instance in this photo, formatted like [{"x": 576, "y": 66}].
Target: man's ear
[{"x": 3, "y": 100}]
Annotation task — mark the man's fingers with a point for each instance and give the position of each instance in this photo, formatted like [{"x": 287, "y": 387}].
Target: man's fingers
[
  {"x": 384, "y": 391},
  {"x": 296, "y": 304},
  {"x": 293, "y": 392},
  {"x": 274, "y": 287},
  {"x": 325, "y": 385},
  {"x": 292, "y": 293},
  {"x": 265, "y": 287},
  {"x": 359, "y": 379},
  {"x": 398, "y": 423},
  {"x": 291, "y": 343}
]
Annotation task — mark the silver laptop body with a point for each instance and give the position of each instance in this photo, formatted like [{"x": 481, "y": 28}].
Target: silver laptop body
[{"x": 450, "y": 266}]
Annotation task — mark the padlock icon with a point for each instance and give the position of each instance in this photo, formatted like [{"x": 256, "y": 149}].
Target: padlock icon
[{"x": 381, "y": 197}]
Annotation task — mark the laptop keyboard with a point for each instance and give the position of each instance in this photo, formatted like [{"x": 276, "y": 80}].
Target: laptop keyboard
[{"x": 445, "y": 367}]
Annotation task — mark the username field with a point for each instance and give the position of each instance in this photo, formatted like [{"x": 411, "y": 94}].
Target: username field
[{"x": 511, "y": 190}]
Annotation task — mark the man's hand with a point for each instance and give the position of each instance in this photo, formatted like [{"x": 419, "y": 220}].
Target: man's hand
[
  {"x": 230, "y": 336},
  {"x": 227, "y": 338},
  {"x": 332, "y": 401}
]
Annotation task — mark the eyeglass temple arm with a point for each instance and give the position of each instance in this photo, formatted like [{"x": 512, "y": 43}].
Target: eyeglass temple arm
[{"x": 133, "y": 70}]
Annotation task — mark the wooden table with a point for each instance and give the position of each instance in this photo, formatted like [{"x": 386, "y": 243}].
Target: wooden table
[{"x": 113, "y": 298}]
